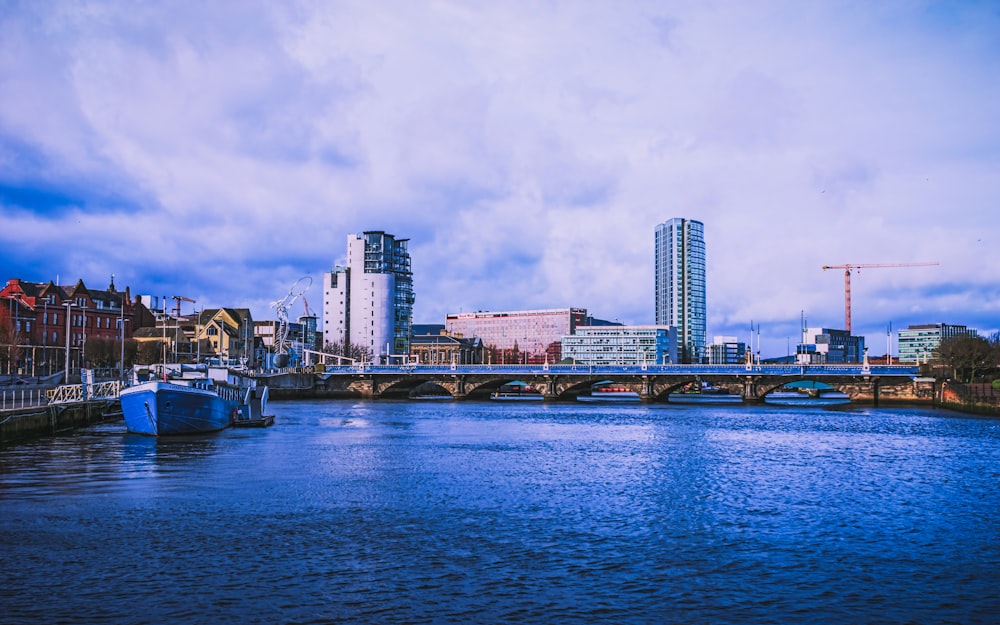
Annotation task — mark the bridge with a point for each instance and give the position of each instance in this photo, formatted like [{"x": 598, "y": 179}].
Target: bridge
[{"x": 564, "y": 382}]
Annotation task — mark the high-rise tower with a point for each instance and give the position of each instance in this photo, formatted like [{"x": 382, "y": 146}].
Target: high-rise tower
[
  {"x": 680, "y": 284},
  {"x": 369, "y": 302}
]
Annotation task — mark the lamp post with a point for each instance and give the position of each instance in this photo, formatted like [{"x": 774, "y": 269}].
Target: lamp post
[
  {"x": 69, "y": 306},
  {"x": 45, "y": 331},
  {"x": 122, "y": 335}
]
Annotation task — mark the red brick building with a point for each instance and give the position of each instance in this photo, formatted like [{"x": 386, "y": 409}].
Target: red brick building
[{"x": 36, "y": 317}]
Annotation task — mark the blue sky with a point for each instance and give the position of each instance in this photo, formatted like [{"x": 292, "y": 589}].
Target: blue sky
[{"x": 222, "y": 150}]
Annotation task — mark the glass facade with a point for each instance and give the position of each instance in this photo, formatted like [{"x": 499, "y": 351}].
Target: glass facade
[
  {"x": 531, "y": 336},
  {"x": 385, "y": 254},
  {"x": 919, "y": 343},
  {"x": 621, "y": 345},
  {"x": 680, "y": 284}
]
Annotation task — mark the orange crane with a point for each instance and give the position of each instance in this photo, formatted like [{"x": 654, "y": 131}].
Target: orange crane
[
  {"x": 847, "y": 280},
  {"x": 178, "y": 299}
]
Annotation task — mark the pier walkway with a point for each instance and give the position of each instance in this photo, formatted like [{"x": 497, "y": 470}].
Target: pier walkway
[{"x": 31, "y": 411}]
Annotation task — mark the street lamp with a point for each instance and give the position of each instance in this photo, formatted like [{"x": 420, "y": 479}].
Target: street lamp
[
  {"x": 69, "y": 306},
  {"x": 121, "y": 332}
]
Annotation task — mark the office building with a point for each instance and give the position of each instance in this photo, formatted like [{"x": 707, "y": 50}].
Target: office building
[
  {"x": 525, "y": 336},
  {"x": 727, "y": 350},
  {"x": 680, "y": 284},
  {"x": 823, "y": 346},
  {"x": 369, "y": 301},
  {"x": 919, "y": 343},
  {"x": 621, "y": 345}
]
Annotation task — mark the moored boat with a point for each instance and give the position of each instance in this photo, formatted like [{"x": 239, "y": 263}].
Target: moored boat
[
  {"x": 190, "y": 400},
  {"x": 704, "y": 393},
  {"x": 610, "y": 392},
  {"x": 800, "y": 398},
  {"x": 517, "y": 391},
  {"x": 704, "y": 398}
]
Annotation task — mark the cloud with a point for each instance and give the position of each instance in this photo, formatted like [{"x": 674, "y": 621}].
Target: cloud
[{"x": 222, "y": 151}]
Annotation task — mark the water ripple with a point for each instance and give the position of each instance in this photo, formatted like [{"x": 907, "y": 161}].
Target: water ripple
[{"x": 384, "y": 512}]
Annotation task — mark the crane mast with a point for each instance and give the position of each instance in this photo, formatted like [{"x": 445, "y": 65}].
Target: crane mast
[{"x": 847, "y": 280}]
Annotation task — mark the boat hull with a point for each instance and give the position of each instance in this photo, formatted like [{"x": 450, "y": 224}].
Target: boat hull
[
  {"x": 517, "y": 397},
  {"x": 610, "y": 398},
  {"x": 704, "y": 398},
  {"x": 782, "y": 398},
  {"x": 165, "y": 409}
]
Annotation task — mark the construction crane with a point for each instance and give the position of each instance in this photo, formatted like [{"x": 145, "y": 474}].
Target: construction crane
[
  {"x": 305, "y": 305},
  {"x": 847, "y": 281},
  {"x": 179, "y": 299}
]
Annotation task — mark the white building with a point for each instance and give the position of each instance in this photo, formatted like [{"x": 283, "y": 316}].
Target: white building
[
  {"x": 369, "y": 301},
  {"x": 621, "y": 345}
]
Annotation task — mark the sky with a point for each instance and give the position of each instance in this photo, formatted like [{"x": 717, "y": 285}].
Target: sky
[{"x": 527, "y": 149}]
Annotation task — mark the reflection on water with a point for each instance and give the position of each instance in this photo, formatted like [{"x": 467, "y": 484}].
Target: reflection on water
[{"x": 427, "y": 512}]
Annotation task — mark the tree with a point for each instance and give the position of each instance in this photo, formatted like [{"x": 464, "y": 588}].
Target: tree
[
  {"x": 350, "y": 350},
  {"x": 101, "y": 352},
  {"x": 12, "y": 340},
  {"x": 968, "y": 356},
  {"x": 149, "y": 352}
]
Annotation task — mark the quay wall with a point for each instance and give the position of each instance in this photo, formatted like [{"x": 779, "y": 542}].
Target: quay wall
[{"x": 27, "y": 423}]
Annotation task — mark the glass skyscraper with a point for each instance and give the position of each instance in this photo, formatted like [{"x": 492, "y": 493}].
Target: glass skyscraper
[{"x": 680, "y": 284}]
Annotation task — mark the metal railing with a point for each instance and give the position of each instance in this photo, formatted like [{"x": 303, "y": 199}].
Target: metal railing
[
  {"x": 74, "y": 393},
  {"x": 23, "y": 398},
  {"x": 857, "y": 369}
]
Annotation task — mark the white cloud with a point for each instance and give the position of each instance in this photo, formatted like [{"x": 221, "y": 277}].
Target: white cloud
[{"x": 528, "y": 151}]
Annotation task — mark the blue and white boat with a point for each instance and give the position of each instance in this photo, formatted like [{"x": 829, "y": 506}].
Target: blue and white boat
[{"x": 190, "y": 400}]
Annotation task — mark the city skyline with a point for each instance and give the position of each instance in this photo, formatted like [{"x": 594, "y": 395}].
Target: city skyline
[{"x": 527, "y": 152}]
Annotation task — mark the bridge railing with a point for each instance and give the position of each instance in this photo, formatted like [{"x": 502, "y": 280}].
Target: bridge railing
[{"x": 695, "y": 370}]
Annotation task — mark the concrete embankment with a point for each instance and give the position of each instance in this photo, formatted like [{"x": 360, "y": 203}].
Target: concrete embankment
[{"x": 26, "y": 423}]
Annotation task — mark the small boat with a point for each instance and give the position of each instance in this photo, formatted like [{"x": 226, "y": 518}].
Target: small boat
[
  {"x": 517, "y": 391},
  {"x": 801, "y": 398},
  {"x": 251, "y": 413},
  {"x": 704, "y": 393},
  {"x": 191, "y": 399},
  {"x": 704, "y": 398},
  {"x": 610, "y": 392}
]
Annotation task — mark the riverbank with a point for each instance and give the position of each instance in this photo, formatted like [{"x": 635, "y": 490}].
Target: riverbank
[
  {"x": 981, "y": 399},
  {"x": 31, "y": 422}
]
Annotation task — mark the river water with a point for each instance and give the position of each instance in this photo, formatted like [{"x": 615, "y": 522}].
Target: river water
[{"x": 476, "y": 512}]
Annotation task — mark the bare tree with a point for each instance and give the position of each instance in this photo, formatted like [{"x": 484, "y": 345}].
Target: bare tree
[
  {"x": 969, "y": 357},
  {"x": 348, "y": 350}
]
